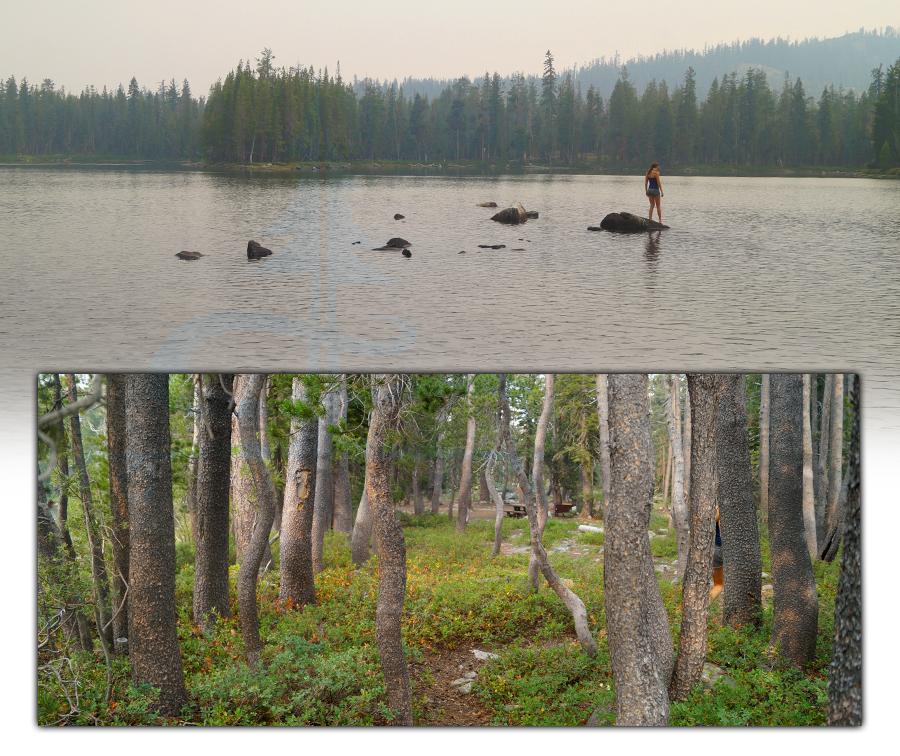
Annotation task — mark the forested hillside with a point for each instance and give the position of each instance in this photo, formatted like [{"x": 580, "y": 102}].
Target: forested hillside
[
  {"x": 750, "y": 104},
  {"x": 338, "y": 549}
]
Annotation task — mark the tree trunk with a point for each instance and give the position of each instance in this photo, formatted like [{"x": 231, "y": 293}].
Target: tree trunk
[
  {"x": 796, "y": 607},
  {"x": 697, "y": 578},
  {"x": 211, "y": 590},
  {"x": 737, "y": 510},
  {"x": 391, "y": 547},
  {"x": 297, "y": 577},
  {"x": 324, "y": 493},
  {"x": 664, "y": 489},
  {"x": 679, "y": 508},
  {"x": 498, "y": 504},
  {"x": 418, "y": 501},
  {"x": 822, "y": 460},
  {"x": 465, "y": 483},
  {"x": 154, "y": 652},
  {"x": 192, "y": 459},
  {"x": 118, "y": 504},
  {"x": 603, "y": 421},
  {"x": 809, "y": 505},
  {"x": 540, "y": 438},
  {"x": 765, "y": 402},
  {"x": 836, "y": 442},
  {"x": 845, "y": 671},
  {"x": 74, "y": 623},
  {"x": 343, "y": 505},
  {"x": 686, "y": 446},
  {"x": 243, "y": 492},
  {"x": 636, "y": 652},
  {"x": 438, "y": 482},
  {"x": 98, "y": 564},
  {"x": 248, "y": 423},
  {"x": 571, "y": 601}
]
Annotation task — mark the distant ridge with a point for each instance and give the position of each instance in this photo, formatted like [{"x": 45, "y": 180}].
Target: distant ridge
[{"x": 846, "y": 61}]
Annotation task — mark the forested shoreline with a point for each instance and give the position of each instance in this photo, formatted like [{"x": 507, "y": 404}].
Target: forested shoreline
[
  {"x": 326, "y": 549},
  {"x": 264, "y": 114}
]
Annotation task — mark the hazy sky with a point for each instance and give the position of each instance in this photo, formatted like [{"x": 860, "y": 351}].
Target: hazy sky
[{"x": 106, "y": 43}]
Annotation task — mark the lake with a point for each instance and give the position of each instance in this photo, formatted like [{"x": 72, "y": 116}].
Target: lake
[{"x": 754, "y": 274}]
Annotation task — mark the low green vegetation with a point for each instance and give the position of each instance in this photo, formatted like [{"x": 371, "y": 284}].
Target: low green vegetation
[{"x": 323, "y": 660}]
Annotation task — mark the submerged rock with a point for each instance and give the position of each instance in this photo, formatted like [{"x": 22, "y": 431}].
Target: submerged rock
[
  {"x": 188, "y": 255},
  {"x": 626, "y": 223},
  {"x": 394, "y": 244},
  {"x": 486, "y": 204},
  {"x": 492, "y": 246},
  {"x": 397, "y": 216},
  {"x": 514, "y": 214}
]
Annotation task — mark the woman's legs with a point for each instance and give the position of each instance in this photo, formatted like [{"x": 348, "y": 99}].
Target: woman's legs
[
  {"x": 658, "y": 211},
  {"x": 652, "y": 202}
]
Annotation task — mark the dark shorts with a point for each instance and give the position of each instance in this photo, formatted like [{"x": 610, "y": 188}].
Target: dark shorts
[
  {"x": 653, "y": 192},
  {"x": 717, "y": 557}
]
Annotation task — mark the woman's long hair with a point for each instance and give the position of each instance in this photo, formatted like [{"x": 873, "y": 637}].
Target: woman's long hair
[{"x": 652, "y": 168}]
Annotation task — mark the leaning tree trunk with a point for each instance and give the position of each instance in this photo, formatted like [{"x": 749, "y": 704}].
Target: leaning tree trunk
[
  {"x": 248, "y": 423},
  {"x": 540, "y": 438},
  {"x": 637, "y": 649},
  {"x": 387, "y": 400},
  {"x": 324, "y": 490},
  {"x": 572, "y": 602},
  {"x": 697, "y": 577},
  {"x": 498, "y": 503},
  {"x": 465, "y": 484},
  {"x": 154, "y": 651},
  {"x": 679, "y": 508},
  {"x": 809, "y": 504},
  {"x": 98, "y": 563},
  {"x": 118, "y": 503},
  {"x": 765, "y": 402},
  {"x": 737, "y": 510},
  {"x": 845, "y": 672},
  {"x": 297, "y": 577},
  {"x": 211, "y": 593},
  {"x": 796, "y": 607},
  {"x": 821, "y": 472}
]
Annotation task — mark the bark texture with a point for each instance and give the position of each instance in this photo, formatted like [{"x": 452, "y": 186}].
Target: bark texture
[
  {"x": 118, "y": 504},
  {"x": 362, "y": 531},
  {"x": 196, "y": 422},
  {"x": 324, "y": 491},
  {"x": 498, "y": 503},
  {"x": 638, "y": 666},
  {"x": 465, "y": 483},
  {"x": 297, "y": 577},
  {"x": 571, "y": 601},
  {"x": 248, "y": 417},
  {"x": 737, "y": 510},
  {"x": 387, "y": 397},
  {"x": 697, "y": 577},
  {"x": 214, "y": 459},
  {"x": 809, "y": 505},
  {"x": 765, "y": 402},
  {"x": 343, "y": 505},
  {"x": 154, "y": 651},
  {"x": 835, "y": 441},
  {"x": 821, "y": 472},
  {"x": 845, "y": 672},
  {"x": 603, "y": 423},
  {"x": 540, "y": 438},
  {"x": 796, "y": 607}
]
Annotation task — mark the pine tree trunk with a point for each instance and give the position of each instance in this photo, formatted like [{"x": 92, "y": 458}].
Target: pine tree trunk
[
  {"x": 636, "y": 655},
  {"x": 343, "y": 505},
  {"x": 836, "y": 442},
  {"x": 540, "y": 438},
  {"x": 845, "y": 672},
  {"x": 498, "y": 504},
  {"x": 438, "y": 483},
  {"x": 465, "y": 483},
  {"x": 192, "y": 460},
  {"x": 737, "y": 511},
  {"x": 211, "y": 590},
  {"x": 297, "y": 577},
  {"x": 764, "y": 455},
  {"x": 697, "y": 577},
  {"x": 154, "y": 651},
  {"x": 248, "y": 419},
  {"x": 391, "y": 548},
  {"x": 679, "y": 508},
  {"x": 321, "y": 522},
  {"x": 822, "y": 461},
  {"x": 603, "y": 422},
  {"x": 796, "y": 607},
  {"x": 809, "y": 506}
]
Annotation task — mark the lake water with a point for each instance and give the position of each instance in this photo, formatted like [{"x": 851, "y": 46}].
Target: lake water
[{"x": 754, "y": 274}]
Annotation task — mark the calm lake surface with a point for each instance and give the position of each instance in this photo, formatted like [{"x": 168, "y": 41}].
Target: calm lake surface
[{"x": 755, "y": 274}]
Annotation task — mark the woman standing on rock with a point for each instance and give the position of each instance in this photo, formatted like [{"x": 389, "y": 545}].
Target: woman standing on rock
[{"x": 653, "y": 189}]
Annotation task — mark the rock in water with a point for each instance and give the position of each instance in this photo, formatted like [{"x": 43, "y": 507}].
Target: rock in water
[
  {"x": 255, "y": 250},
  {"x": 626, "y": 223},
  {"x": 407, "y": 253},
  {"x": 188, "y": 255},
  {"x": 395, "y": 243},
  {"x": 397, "y": 216},
  {"x": 487, "y": 204},
  {"x": 514, "y": 214}
]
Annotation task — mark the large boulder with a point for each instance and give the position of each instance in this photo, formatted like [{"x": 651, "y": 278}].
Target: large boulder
[
  {"x": 255, "y": 250},
  {"x": 626, "y": 223},
  {"x": 514, "y": 214}
]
